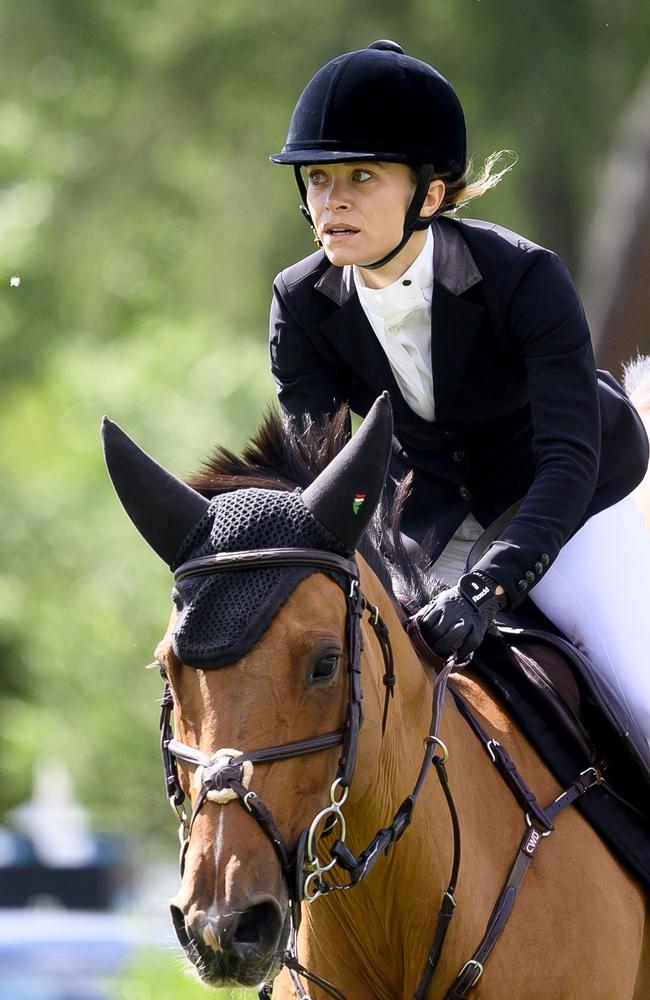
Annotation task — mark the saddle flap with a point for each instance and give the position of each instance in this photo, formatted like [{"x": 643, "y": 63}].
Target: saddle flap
[
  {"x": 599, "y": 708},
  {"x": 553, "y": 683}
]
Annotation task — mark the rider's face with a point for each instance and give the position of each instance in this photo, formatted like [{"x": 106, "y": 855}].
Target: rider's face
[{"x": 358, "y": 208}]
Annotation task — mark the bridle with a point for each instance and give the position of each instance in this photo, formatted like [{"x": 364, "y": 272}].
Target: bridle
[
  {"x": 222, "y": 776},
  {"x": 226, "y": 775},
  {"x": 225, "y": 770}
]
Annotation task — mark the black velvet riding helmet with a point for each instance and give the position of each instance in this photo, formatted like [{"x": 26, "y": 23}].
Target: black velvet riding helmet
[{"x": 379, "y": 104}]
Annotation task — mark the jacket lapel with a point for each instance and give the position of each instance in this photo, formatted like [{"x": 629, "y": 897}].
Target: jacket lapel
[
  {"x": 455, "y": 323},
  {"x": 352, "y": 336}
]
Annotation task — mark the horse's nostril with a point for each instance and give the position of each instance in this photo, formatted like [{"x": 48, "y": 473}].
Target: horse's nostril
[
  {"x": 248, "y": 935},
  {"x": 178, "y": 920},
  {"x": 183, "y": 935},
  {"x": 258, "y": 927}
]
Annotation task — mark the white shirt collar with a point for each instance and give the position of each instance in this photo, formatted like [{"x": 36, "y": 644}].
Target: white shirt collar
[{"x": 410, "y": 291}]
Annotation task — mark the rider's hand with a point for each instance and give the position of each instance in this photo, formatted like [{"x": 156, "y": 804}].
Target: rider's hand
[{"x": 458, "y": 619}]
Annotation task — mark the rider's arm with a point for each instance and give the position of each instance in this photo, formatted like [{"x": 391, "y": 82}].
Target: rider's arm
[
  {"x": 546, "y": 328},
  {"x": 306, "y": 385}
]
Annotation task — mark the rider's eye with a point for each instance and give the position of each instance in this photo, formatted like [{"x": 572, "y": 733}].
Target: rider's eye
[{"x": 325, "y": 667}]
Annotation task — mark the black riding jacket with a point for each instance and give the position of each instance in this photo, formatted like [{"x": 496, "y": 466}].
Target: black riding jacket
[{"x": 520, "y": 409}]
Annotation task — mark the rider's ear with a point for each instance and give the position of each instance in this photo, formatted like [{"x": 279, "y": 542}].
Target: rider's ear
[
  {"x": 434, "y": 198},
  {"x": 345, "y": 494},
  {"x": 163, "y": 508}
]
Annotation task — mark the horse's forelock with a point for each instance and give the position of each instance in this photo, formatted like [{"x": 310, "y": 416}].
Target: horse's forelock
[
  {"x": 289, "y": 452},
  {"x": 284, "y": 453}
]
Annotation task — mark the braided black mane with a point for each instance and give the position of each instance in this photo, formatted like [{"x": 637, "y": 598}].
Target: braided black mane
[{"x": 284, "y": 454}]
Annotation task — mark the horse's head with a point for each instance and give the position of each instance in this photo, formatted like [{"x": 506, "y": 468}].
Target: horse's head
[{"x": 261, "y": 660}]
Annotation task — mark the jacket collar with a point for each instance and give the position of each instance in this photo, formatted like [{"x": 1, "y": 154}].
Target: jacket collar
[
  {"x": 453, "y": 267},
  {"x": 455, "y": 323}
]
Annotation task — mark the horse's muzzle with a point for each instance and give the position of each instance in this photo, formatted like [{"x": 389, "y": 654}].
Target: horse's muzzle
[{"x": 242, "y": 948}]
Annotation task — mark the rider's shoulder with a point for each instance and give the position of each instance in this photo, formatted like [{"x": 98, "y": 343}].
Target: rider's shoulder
[
  {"x": 308, "y": 270},
  {"x": 503, "y": 256},
  {"x": 492, "y": 238}
]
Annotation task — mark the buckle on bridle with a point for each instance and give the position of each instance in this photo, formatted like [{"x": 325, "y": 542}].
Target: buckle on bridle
[{"x": 478, "y": 971}]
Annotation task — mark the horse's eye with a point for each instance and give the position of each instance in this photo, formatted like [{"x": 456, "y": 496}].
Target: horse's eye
[{"x": 325, "y": 667}]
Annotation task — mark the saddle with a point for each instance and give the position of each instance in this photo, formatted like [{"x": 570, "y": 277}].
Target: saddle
[{"x": 574, "y": 720}]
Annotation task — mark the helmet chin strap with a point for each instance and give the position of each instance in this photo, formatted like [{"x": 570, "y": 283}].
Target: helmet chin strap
[{"x": 412, "y": 222}]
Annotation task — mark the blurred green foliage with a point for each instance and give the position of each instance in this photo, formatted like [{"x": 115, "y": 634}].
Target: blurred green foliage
[{"x": 140, "y": 213}]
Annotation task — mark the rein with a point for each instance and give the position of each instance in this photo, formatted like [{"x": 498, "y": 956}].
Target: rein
[{"x": 226, "y": 775}]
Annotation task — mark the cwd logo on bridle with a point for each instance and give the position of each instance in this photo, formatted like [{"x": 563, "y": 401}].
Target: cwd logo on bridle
[
  {"x": 533, "y": 841},
  {"x": 358, "y": 501}
]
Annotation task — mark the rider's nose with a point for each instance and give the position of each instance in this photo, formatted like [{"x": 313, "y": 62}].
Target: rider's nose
[
  {"x": 251, "y": 933},
  {"x": 338, "y": 196}
]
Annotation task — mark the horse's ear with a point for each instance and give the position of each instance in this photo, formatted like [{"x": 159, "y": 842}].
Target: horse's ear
[
  {"x": 346, "y": 493},
  {"x": 163, "y": 508}
]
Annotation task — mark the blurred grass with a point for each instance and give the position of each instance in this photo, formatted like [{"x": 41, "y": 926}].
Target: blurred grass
[{"x": 156, "y": 975}]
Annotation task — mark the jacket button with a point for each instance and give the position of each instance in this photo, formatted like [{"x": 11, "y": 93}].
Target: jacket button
[
  {"x": 539, "y": 569},
  {"x": 522, "y": 585},
  {"x": 465, "y": 493},
  {"x": 545, "y": 558},
  {"x": 530, "y": 576},
  {"x": 458, "y": 455}
]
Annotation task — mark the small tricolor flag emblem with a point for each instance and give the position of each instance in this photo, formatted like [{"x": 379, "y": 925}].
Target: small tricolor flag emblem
[{"x": 357, "y": 503}]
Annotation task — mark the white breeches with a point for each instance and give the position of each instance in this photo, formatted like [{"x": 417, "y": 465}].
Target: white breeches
[{"x": 596, "y": 593}]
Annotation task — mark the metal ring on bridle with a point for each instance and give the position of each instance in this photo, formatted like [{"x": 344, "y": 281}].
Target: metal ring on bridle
[
  {"x": 344, "y": 795},
  {"x": 306, "y": 888},
  {"x": 434, "y": 740},
  {"x": 310, "y": 852}
]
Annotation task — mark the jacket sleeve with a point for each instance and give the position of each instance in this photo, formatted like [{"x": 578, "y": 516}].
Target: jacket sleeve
[
  {"x": 547, "y": 330},
  {"x": 306, "y": 385}
]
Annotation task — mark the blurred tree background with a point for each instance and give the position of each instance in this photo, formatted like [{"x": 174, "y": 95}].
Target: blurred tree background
[{"x": 138, "y": 208}]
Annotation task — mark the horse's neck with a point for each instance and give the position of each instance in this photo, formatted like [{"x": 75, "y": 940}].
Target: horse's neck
[
  {"x": 387, "y": 770},
  {"x": 387, "y": 922}
]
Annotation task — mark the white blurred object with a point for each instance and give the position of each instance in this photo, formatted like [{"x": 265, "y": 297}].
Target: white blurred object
[
  {"x": 14, "y": 281},
  {"x": 56, "y": 825}
]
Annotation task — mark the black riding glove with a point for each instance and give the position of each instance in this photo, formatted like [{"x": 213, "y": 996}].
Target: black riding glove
[{"x": 458, "y": 619}]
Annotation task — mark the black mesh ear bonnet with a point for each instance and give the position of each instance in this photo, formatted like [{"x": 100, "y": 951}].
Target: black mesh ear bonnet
[{"x": 221, "y": 616}]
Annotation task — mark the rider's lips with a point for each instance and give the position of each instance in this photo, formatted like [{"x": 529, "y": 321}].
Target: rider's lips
[{"x": 339, "y": 231}]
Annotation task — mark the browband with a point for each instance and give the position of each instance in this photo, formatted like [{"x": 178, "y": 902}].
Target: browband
[{"x": 256, "y": 558}]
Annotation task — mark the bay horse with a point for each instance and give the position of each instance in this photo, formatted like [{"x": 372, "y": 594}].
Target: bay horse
[{"x": 579, "y": 929}]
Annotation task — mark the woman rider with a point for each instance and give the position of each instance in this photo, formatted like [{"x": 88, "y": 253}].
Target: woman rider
[{"x": 480, "y": 338}]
